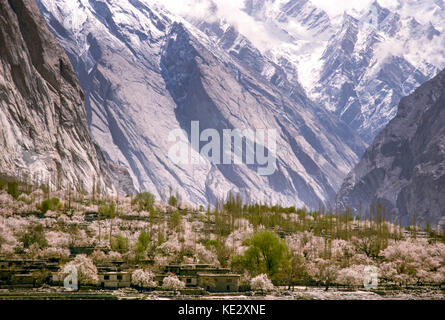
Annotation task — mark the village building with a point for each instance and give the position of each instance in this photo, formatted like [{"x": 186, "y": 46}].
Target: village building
[
  {"x": 212, "y": 282},
  {"x": 75, "y": 250},
  {"x": 115, "y": 280},
  {"x": 115, "y": 274},
  {"x": 26, "y": 272},
  {"x": 205, "y": 276}
]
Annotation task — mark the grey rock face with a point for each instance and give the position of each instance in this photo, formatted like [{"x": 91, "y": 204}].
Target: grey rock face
[
  {"x": 145, "y": 75},
  {"x": 43, "y": 129},
  {"x": 404, "y": 168},
  {"x": 115, "y": 175}
]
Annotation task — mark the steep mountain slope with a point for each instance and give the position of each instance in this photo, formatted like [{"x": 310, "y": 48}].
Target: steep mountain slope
[
  {"x": 358, "y": 64},
  {"x": 43, "y": 129},
  {"x": 146, "y": 73},
  {"x": 404, "y": 168},
  {"x": 283, "y": 76}
]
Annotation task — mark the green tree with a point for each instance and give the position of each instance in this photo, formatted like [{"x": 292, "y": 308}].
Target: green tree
[
  {"x": 120, "y": 244},
  {"x": 142, "y": 243},
  {"x": 13, "y": 189},
  {"x": 49, "y": 204},
  {"x": 175, "y": 220},
  {"x": 222, "y": 251},
  {"x": 144, "y": 201},
  {"x": 267, "y": 253},
  {"x": 294, "y": 272},
  {"x": 34, "y": 234},
  {"x": 173, "y": 201},
  {"x": 108, "y": 212}
]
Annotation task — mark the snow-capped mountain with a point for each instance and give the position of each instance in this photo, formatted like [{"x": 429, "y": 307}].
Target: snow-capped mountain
[
  {"x": 367, "y": 67},
  {"x": 146, "y": 72},
  {"x": 44, "y": 136},
  {"x": 404, "y": 168},
  {"x": 356, "y": 62}
]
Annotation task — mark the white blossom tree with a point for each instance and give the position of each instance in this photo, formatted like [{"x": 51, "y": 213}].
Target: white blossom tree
[
  {"x": 323, "y": 271},
  {"x": 56, "y": 253},
  {"x": 86, "y": 270},
  {"x": 261, "y": 283},
  {"x": 172, "y": 282},
  {"x": 353, "y": 276},
  {"x": 413, "y": 261},
  {"x": 143, "y": 279}
]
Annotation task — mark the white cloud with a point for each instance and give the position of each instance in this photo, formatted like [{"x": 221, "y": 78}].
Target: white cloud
[
  {"x": 261, "y": 35},
  {"x": 265, "y": 35},
  {"x": 194, "y": 8},
  {"x": 338, "y": 7}
]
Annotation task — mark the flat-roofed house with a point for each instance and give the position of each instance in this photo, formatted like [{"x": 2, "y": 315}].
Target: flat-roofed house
[
  {"x": 208, "y": 277},
  {"x": 23, "y": 280},
  {"x": 218, "y": 282},
  {"x": 115, "y": 280}
]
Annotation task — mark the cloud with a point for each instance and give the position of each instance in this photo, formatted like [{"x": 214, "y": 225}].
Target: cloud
[
  {"x": 390, "y": 48},
  {"x": 262, "y": 35},
  {"x": 265, "y": 35},
  {"x": 424, "y": 11},
  {"x": 338, "y": 7},
  {"x": 187, "y": 8}
]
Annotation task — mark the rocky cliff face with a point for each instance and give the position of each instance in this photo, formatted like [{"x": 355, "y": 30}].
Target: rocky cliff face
[
  {"x": 43, "y": 129},
  {"x": 404, "y": 168},
  {"x": 146, "y": 72}
]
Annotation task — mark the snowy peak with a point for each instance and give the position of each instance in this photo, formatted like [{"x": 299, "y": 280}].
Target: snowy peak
[
  {"x": 337, "y": 53},
  {"x": 341, "y": 46},
  {"x": 309, "y": 16},
  {"x": 381, "y": 19},
  {"x": 362, "y": 57}
]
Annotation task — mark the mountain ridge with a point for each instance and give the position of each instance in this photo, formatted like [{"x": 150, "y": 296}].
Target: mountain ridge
[{"x": 404, "y": 167}]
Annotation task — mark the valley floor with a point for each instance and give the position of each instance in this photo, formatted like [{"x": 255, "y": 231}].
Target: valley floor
[
  {"x": 138, "y": 242},
  {"x": 299, "y": 293}
]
